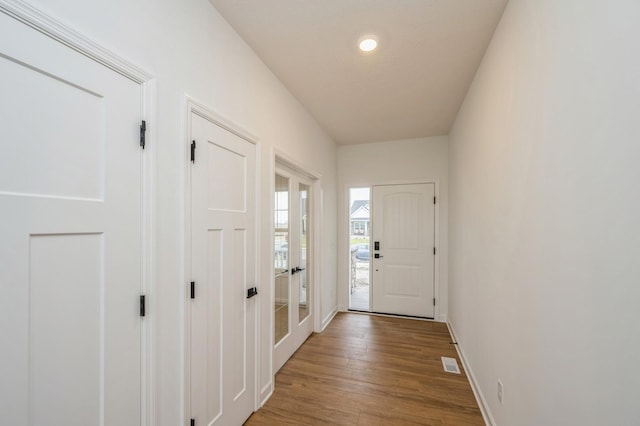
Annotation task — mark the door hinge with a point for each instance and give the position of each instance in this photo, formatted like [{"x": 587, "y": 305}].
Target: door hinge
[
  {"x": 193, "y": 289},
  {"x": 142, "y": 306},
  {"x": 143, "y": 131},
  {"x": 434, "y": 301},
  {"x": 434, "y": 250},
  {"x": 193, "y": 151},
  {"x": 193, "y": 422},
  {"x": 434, "y": 200},
  {"x": 253, "y": 291}
]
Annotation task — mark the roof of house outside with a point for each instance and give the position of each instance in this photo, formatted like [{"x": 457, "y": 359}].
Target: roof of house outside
[
  {"x": 359, "y": 203},
  {"x": 360, "y": 209}
]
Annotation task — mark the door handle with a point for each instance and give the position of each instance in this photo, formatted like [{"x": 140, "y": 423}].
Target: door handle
[
  {"x": 296, "y": 269},
  {"x": 377, "y": 256}
]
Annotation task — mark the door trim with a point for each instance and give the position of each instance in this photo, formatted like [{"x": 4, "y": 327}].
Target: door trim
[
  {"x": 62, "y": 33},
  {"x": 193, "y": 106},
  {"x": 346, "y": 242},
  {"x": 66, "y": 35}
]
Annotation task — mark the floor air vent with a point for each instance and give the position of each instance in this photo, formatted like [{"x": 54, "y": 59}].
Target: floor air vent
[{"x": 450, "y": 365}]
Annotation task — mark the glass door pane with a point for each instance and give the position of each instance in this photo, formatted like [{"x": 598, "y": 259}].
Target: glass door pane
[
  {"x": 281, "y": 257},
  {"x": 359, "y": 257},
  {"x": 305, "y": 248}
]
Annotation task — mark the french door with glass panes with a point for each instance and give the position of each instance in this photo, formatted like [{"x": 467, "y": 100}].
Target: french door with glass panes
[{"x": 293, "y": 318}]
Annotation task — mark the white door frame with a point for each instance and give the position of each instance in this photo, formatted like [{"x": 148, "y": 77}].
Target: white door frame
[
  {"x": 192, "y": 106},
  {"x": 84, "y": 45},
  {"x": 347, "y": 242}
]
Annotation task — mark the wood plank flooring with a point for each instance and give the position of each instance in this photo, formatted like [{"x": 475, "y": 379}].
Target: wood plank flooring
[{"x": 372, "y": 370}]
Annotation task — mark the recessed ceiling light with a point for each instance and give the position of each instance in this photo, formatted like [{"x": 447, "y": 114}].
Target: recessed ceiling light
[{"x": 368, "y": 43}]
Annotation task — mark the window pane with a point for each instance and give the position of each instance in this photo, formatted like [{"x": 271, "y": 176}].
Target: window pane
[
  {"x": 281, "y": 257},
  {"x": 305, "y": 249},
  {"x": 359, "y": 255}
]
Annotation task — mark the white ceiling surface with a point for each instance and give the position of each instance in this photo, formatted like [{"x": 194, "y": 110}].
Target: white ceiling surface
[{"x": 411, "y": 86}]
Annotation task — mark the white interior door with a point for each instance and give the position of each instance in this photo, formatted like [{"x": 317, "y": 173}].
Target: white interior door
[
  {"x": 293, "y": 316},
  {"x": 403, "y": 247},
  {"x": 223, "y": 268},
  {"x": 70, "y": 236}
]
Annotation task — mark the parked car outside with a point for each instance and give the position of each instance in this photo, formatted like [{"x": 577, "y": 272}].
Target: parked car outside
[{"x": 361, "y": 252}]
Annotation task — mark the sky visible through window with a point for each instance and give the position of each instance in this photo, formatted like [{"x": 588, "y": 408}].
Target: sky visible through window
[{"x": 359, "y": 194}]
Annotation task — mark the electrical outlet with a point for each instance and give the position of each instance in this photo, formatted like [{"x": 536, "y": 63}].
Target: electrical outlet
[{"x": 500, "y": 390}]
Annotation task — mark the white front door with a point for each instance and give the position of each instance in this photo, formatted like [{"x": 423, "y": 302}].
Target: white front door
[
  {"x": 223, "y": 269},
  {"x": 70, "y": 236},
  {"x": 293, "y": 316},
  {"x": 403, "y": 249}
]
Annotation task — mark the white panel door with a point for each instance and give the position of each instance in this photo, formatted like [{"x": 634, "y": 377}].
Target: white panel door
[
  {"x": 70, "y": 236},
  {"x": 223, "y": 268},
  {"x": 403, "y": 220}
]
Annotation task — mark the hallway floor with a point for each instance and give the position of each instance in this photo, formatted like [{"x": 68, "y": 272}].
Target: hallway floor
[{"x": 371, "y": 370}]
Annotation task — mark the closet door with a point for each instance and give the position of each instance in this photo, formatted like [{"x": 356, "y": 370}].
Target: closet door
[
  {"x": 223, "y": 269},
  {"x": 70, "y": 236}
]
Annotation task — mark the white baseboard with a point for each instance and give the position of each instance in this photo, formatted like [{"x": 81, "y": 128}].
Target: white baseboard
[
  {"x": 328, "y": 318},
  {"x": 482, "y": 403},
  {"x": 442, "y": 318}
]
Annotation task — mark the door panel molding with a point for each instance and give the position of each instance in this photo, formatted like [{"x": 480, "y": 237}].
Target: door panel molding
[{"x": 73, "y": 39}]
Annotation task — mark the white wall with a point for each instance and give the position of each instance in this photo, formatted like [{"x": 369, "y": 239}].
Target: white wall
[
  {"x": 190, "y": 49},
  {"x": 545, "y": 203},
  {"x": 408, "y": 160}
]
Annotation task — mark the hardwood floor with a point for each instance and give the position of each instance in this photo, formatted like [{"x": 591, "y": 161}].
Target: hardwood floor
[{"x": 372, "y": 370}]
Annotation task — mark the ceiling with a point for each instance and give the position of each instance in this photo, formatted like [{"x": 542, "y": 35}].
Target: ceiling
[{"x": 411, "y": 86}]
